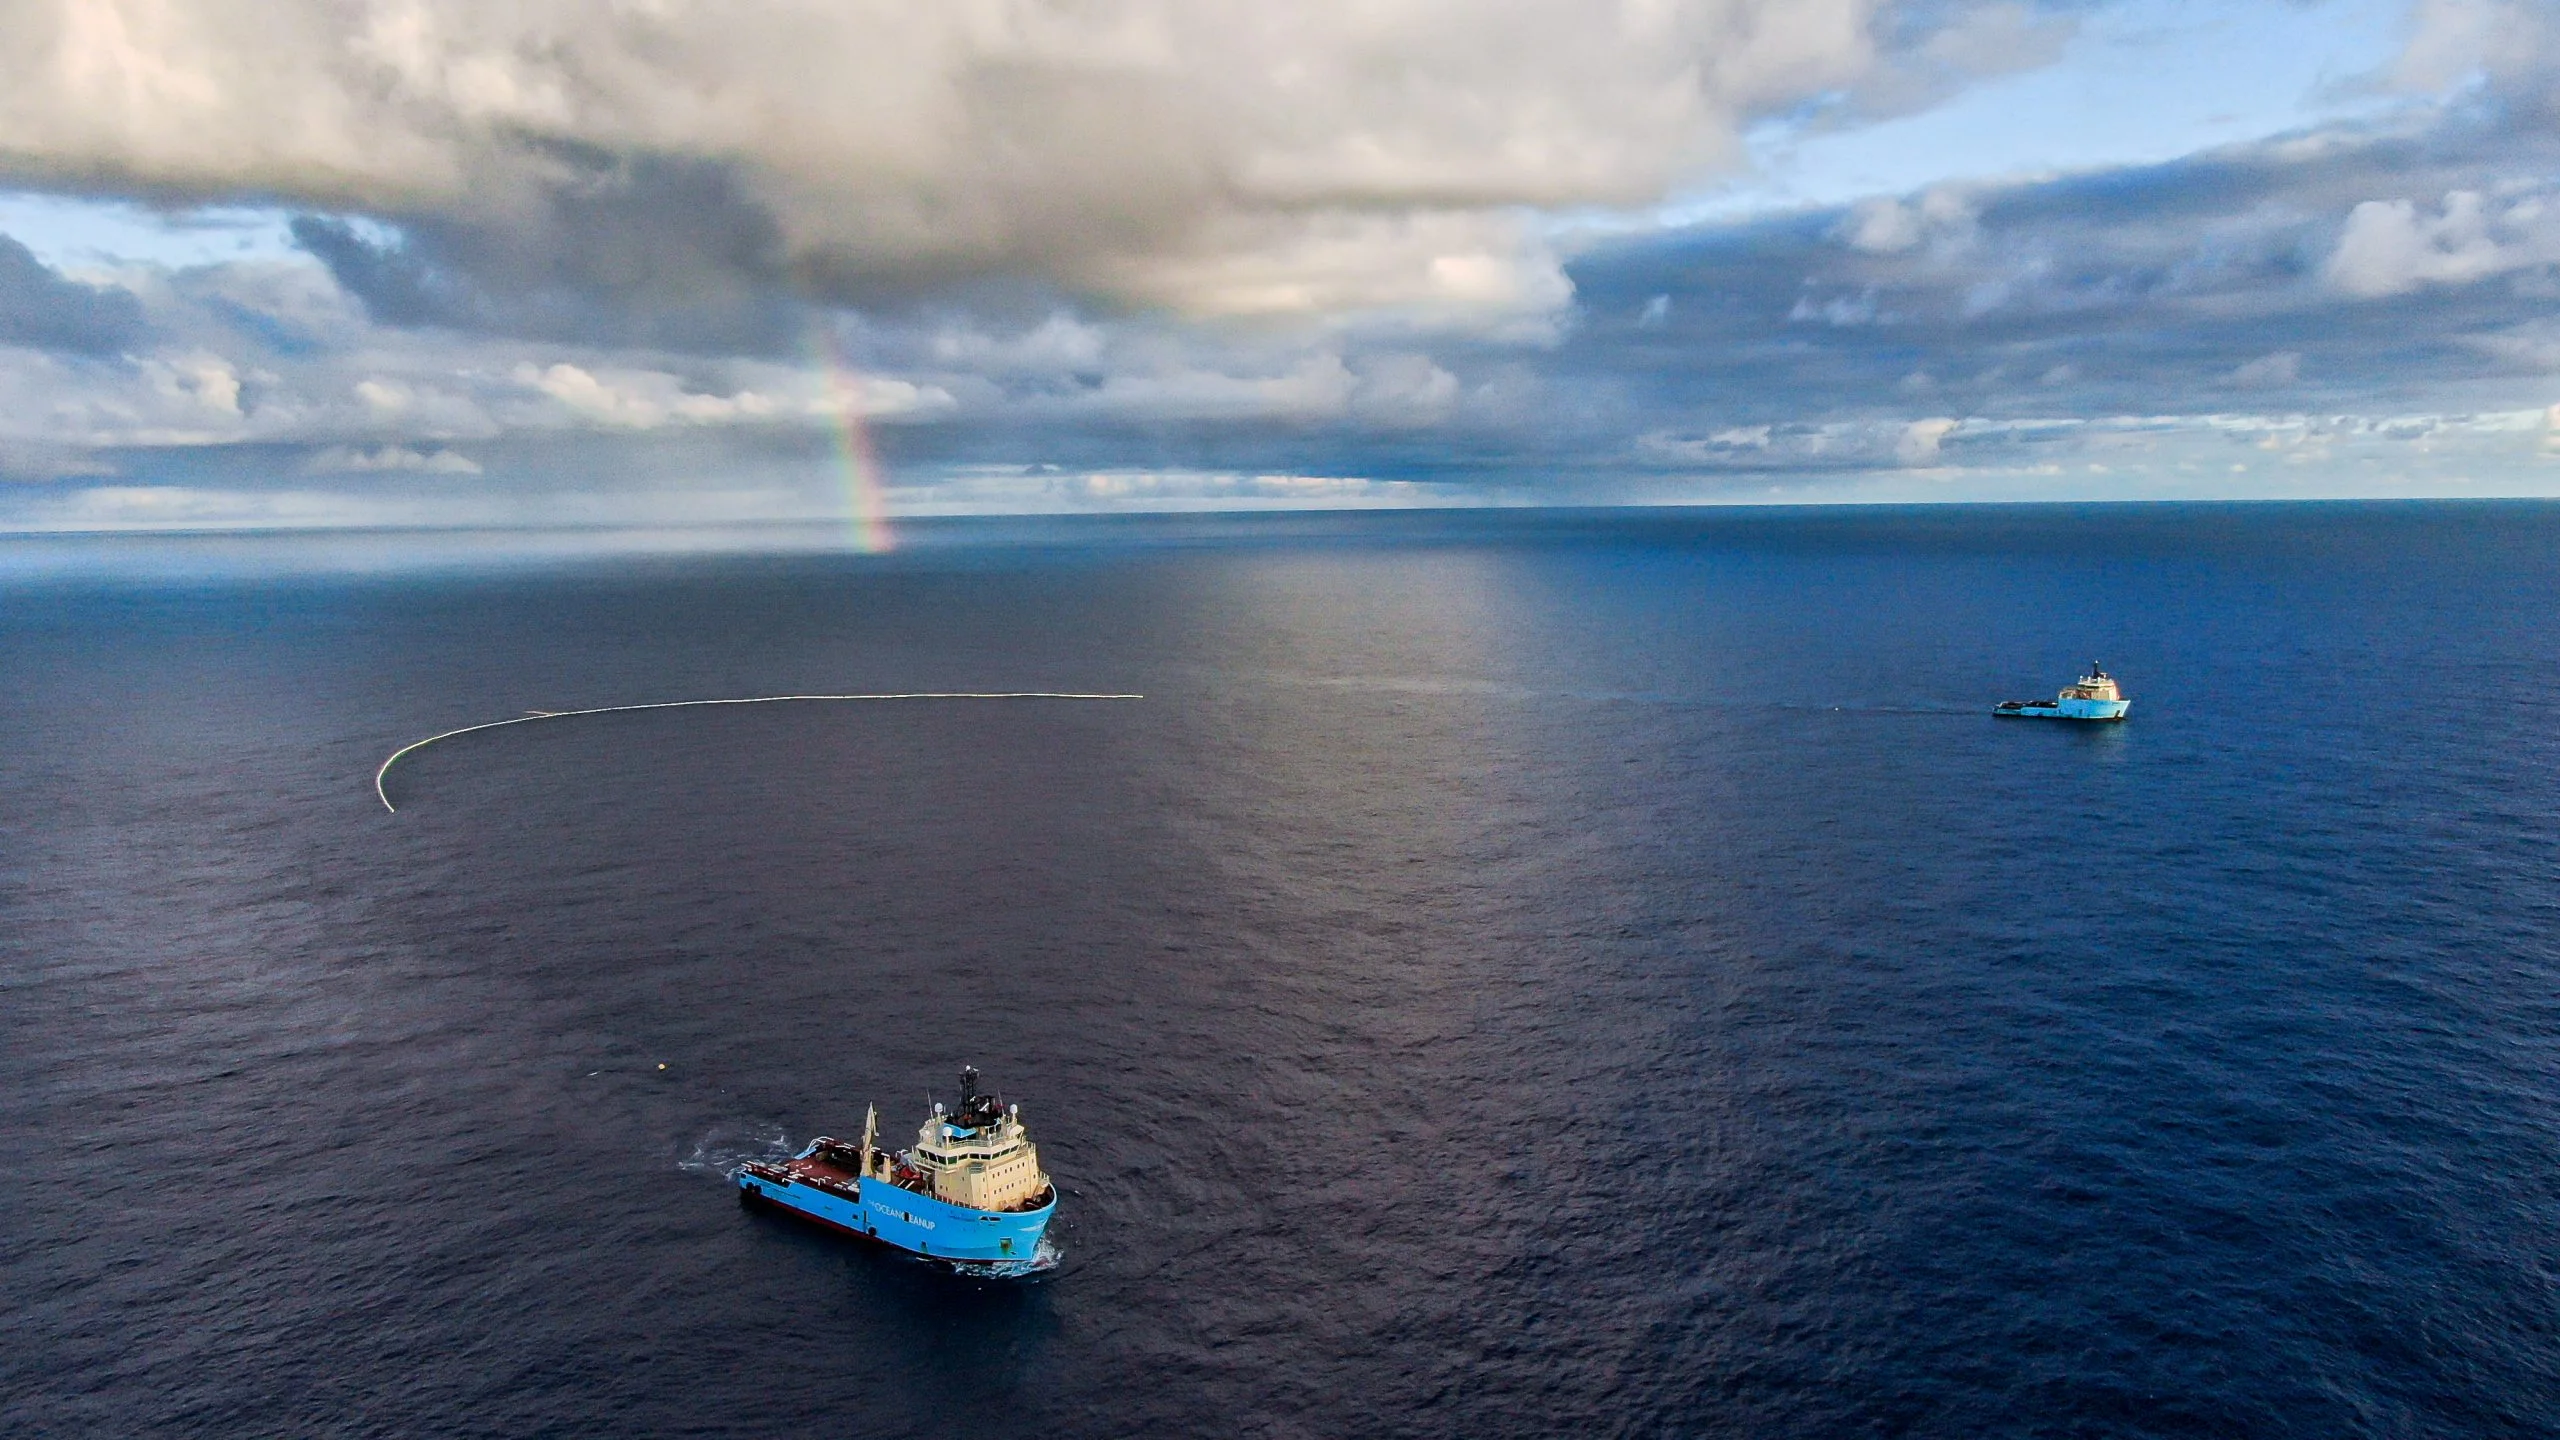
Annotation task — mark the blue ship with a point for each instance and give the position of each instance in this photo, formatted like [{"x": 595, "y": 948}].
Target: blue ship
[
  {"x": 971, "y": 1191},
  {"x": 2093, "y": 696}
]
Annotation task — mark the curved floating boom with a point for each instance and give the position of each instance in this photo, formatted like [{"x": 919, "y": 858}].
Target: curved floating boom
[{"x": 531, "y": 716}]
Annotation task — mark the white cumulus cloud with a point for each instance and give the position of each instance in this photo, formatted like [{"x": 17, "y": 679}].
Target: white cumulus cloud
[
  {"x": 1215, "y": 155},
  {"x": 635, "y": 399},
  {"x": 358, "y": 460},
  {"x": 2390, "y": 247},
  {"x": 2513, "y": 44},
  {"x": 1886, "y": 225},
  {"x": 1920, "y": 440}
]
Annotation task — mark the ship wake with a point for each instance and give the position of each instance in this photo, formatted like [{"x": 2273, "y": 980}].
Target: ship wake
[{"x": 719, "y": 1153}]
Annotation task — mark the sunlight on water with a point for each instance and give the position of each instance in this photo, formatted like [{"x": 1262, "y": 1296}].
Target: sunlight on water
[{"x": 1606, "y": 974}]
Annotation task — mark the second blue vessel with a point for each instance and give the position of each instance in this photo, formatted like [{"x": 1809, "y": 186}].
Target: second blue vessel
[{"x": 971, "y": 1191}]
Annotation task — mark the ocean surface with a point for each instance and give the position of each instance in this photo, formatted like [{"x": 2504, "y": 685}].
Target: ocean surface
[{"x": 1515, "y": 974}]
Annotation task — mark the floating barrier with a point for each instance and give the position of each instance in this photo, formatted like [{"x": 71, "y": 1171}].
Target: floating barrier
[{"x": 531, "y": 716}]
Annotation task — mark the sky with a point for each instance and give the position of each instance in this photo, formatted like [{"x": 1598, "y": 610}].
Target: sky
[{"x": 668, "y": 263}]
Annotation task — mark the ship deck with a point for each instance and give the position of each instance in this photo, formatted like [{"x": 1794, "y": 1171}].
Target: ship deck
[
  {"x": 842, "y": 1179},
  {"x": 809, "y": 1170},
  {"x": 846, "y": 1180},
  {"x": 819, "y": 1172}
]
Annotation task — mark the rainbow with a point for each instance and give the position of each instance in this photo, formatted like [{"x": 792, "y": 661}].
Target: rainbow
[{"x": 866, "y": 501}]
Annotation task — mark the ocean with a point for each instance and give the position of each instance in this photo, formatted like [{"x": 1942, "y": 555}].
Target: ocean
[{"x": 1515, "y": 973}]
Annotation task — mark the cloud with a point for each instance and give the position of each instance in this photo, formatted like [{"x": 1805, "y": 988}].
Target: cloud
[
  {"x": 2533, "y": 346},
  {"x": 1965, "y": 47},
  {"x": 22, "y": 459},
  {"x": 210, "y": 381},
  {"x": 639, "y": 252},
  {"x": 633, "y": 315},
  {"x": 2511, "y": 45},
  {"x": 1857, "y": 309},
  {"x": 2281, "y": 368},
  {"x": 1404, "y": 390},
  {"x": 1216, "y": 156},
  {"x": 635, "y": 399},
  {"x": 2148, "y": 288},
  {"x": 1920, "y": 440},
  {"x": 1887, "y": 225},
  {"x": 351, "y": 459},
  {"x": 1802, "y": 447},
  {"x": 1436, "y": 266},
  {"x": 1061, "y": 343},
  {"x": 2390, "y": 247},
  {"x": 42, "y": 310},
  {"x": 1050, "y": 489}
]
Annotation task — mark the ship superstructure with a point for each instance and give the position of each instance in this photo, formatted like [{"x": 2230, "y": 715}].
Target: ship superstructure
[
  {"x": 2094, "y": 696},
  {"x": 970, "y": 1190}
]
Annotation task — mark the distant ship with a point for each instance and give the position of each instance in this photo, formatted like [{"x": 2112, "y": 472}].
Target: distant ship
[
  {"x": 971, "y": 1191},
  {"x": 2094, "y": 697}
]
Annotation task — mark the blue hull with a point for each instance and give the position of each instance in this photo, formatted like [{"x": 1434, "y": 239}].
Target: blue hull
[
  {"x": 919, "y": 1224},
  {"x": 2067, "y": 710}
]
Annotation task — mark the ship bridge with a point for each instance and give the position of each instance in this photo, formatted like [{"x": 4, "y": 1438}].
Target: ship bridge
[{"x": 978, "y": 1155}]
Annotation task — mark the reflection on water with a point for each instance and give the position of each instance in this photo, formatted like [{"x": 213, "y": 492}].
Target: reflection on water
[{"x": 1511, "y": 975}]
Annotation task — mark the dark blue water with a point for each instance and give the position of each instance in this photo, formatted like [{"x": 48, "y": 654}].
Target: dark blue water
[{"x": 1514, "y": 975}]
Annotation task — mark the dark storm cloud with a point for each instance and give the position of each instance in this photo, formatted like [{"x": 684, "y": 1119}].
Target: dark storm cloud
[
  {"x": 668, "y": 254},
  {"x": 42, "y": 310}
]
